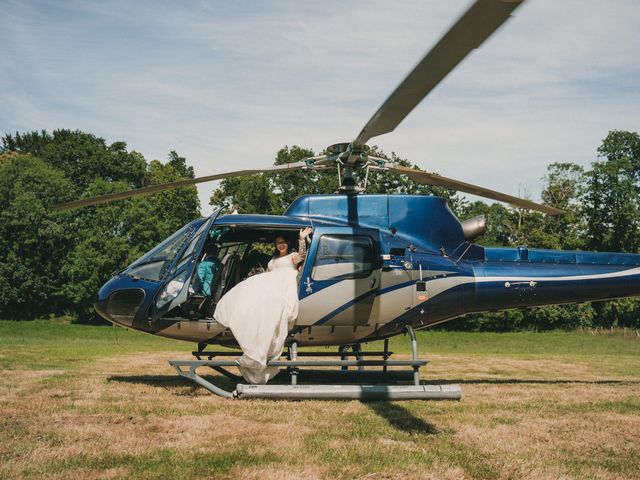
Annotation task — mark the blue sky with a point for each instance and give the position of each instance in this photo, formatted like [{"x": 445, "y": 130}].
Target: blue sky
[{"x": 226, "y": 84}]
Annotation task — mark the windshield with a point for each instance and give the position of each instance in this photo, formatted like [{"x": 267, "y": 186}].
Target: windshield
[{"x": 153, "y": 264}]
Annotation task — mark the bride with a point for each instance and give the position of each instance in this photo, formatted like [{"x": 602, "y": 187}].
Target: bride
[
  {"x": 260, "y": 310},
  {"x": 282, "y": 258}
]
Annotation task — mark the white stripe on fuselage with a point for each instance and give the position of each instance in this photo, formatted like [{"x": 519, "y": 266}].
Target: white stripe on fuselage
[
  {"x": 336, "y": 295},
  {"x": 594, "y": 276},
  {"x": 441, "y": 285}
]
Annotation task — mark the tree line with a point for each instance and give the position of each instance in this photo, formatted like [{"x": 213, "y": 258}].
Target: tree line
[{"x": 52, "y": 263}]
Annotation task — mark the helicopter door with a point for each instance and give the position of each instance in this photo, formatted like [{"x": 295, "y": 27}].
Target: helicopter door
[
  {"x": 175, "y": 288},
  {"x": 341, "y": 279}
]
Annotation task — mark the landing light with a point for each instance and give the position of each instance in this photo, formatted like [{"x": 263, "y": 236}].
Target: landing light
[{"x": 172, "y": 289}]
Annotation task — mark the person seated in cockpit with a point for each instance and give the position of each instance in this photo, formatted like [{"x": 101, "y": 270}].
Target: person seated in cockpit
[{"x": 207, "y": 270}]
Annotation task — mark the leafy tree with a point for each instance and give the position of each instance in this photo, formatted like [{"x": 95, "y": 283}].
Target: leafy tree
[
  {"x": 6, "y": 157},
  {"x": 173, "y": 208},
  {"x": 611, "y": 197},
  {"x": 251, "y": 194},
  {"x": 507, "y": 226},
  {"x": 111, "y": 236},
  {"x": 32, "y": 239},
  {"x": 55, "y": 262},
  {"x": 564, "y": 187},
  {"x": 82, "y": 157},
  {"x": 108, "y": 237},
  {"x": 27, "y": 143},
  {"x": 623, "y": 312},
  {"x": 554, "y": 317},
  {"x": 179, "y": 164}
]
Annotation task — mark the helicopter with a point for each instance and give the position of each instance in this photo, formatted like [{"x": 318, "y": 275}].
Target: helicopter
[{"x": 377, "y": 265}]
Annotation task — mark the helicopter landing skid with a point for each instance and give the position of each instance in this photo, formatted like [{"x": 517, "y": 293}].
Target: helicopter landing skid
[{"x": 382, "y": 383}]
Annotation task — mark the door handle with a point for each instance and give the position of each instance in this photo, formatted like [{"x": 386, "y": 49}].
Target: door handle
[{"x": 373, "y": 282}]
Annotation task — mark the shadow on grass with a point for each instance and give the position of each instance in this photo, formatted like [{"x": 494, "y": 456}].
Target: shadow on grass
[
  {"x": 154, "y": 380},
  {"x": 401, "y": 419},
  {"x": 171, "y": 381},
  {"x": 516, "y": 381}
]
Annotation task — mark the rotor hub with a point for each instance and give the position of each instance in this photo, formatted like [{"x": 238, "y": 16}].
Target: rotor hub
[{"x": 348, "y": 154}]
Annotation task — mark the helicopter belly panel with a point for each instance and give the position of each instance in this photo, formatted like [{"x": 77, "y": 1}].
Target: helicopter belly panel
[{"x": 189, "y": 330}]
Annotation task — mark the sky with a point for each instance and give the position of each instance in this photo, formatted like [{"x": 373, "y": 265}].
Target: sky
[{"x": 227, "y": 84}]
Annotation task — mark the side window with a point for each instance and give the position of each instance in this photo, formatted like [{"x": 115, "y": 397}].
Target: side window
[{"x": 343, "y": 256}]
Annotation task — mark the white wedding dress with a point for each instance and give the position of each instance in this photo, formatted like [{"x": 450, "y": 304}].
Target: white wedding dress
[{"x": 259, "y": 311}]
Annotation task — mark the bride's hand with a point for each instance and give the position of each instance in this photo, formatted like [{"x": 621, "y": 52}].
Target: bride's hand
[{"x": 304, "y": 233}]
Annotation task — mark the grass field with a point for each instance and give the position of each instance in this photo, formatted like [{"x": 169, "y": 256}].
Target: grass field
[{"x": 81, "y": 402}]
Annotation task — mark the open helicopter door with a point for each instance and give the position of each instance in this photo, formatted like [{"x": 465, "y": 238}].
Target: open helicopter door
[
  {"x": 341, "y": 277},
  {"x": 175, "y": 288}
]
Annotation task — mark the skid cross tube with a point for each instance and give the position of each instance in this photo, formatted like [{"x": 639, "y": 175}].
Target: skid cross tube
[
  {"x": 297, "y": 370},
  {"x": 194, "y": 377}
]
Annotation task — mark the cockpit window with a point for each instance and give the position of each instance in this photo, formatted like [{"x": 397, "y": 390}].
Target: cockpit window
[{"x": 153, "y": 264}]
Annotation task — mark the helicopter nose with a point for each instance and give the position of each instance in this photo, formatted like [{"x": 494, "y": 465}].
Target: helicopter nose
[{"x": 121, "y": 306}]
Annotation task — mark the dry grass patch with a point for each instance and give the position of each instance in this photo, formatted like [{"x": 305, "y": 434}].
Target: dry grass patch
[
  {"x": 470, "y": 367},
  {"x": 128, "y": 415},
  {"x": 281, "y": 472}
]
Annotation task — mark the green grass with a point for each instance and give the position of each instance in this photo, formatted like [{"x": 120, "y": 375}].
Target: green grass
[
  {"x": 554, "y": 404},
  {"x": 524, "y": 343},
  {"x": 157, "y": 464},
  {"x": 57, "y": 344}
]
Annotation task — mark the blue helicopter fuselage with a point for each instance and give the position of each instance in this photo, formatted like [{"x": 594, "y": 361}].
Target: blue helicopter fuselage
[{"x": 378, "y": 262}]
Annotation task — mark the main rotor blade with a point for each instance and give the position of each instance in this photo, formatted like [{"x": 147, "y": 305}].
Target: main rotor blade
[
  {"x": 437, "y": 180},
  {"x": 111, "y": 197},
  {"x": 482, "y": 19}
]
